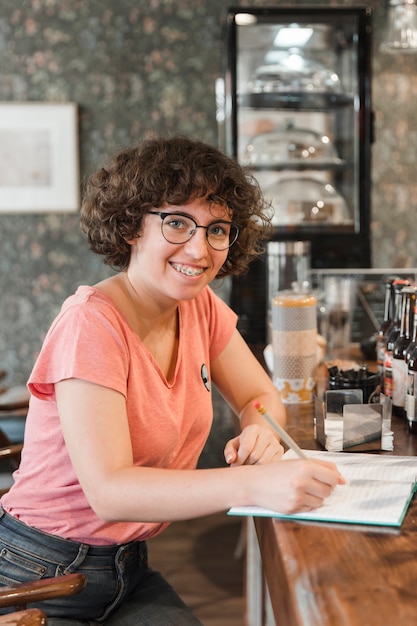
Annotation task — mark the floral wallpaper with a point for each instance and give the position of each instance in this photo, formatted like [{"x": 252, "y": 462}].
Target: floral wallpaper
[{"x": 138, "y": 66}]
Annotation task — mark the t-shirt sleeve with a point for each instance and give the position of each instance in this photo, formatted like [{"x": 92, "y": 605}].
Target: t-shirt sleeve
[{"x": 84, "y": 342}]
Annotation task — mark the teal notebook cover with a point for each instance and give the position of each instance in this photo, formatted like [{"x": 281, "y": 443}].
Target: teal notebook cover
[{"x": 378, "y": 492}]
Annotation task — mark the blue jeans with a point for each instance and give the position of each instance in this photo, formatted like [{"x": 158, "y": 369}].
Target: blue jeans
[{"x": 121, "y": 589}]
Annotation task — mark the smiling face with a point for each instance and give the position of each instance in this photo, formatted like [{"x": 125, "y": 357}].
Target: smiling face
[{"x": 171, "y": 271}]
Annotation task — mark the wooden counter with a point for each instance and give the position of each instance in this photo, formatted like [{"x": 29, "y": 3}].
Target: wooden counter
[{"x": 340, "y": 575}]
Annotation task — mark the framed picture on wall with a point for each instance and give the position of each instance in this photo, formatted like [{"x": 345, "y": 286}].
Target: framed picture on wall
[{"x": 39, "y": 157}]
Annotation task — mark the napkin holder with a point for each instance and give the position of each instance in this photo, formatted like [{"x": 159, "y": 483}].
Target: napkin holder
[{"x": 344, "y": 423}]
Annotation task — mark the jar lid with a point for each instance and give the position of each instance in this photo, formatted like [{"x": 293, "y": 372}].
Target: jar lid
[{"x": 290, "y": 298}]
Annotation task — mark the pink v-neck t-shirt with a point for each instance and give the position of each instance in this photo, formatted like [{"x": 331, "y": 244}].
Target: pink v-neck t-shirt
[{"x": 169, "y": 421}]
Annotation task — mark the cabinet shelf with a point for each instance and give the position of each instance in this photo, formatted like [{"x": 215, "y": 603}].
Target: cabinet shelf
[
  {"x": 294, "y": 101},
  {"x": 310, "y": 228},
  {"x": 315, "y": 165}
]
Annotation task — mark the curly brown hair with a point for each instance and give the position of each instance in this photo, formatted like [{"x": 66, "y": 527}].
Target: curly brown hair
[{"x": 173, "y": 171}]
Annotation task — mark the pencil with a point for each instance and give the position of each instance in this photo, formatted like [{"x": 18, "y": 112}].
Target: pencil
[{"x": 280, "y": 430}]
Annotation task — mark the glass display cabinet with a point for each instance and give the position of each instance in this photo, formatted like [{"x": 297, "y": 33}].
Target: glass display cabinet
[{"x": 297, "y": 112}]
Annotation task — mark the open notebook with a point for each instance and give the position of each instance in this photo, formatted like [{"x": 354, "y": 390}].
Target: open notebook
[{"x": 378, "y": 491}]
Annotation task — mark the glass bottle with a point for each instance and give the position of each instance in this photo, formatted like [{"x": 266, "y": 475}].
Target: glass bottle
[
  {"x": 386, "y": 323},
  {"x": 411, "y": 391},
  {"x": 392, "y": 334},
  {"x": 399, "y": 365},
  {"x": 413, "y": 342}
]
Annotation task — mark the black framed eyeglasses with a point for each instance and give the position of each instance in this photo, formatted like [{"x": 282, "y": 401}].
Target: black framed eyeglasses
[{"x": 178, "y": 228}]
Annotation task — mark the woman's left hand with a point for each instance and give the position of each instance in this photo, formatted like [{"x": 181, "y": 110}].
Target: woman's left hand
[{"x": 254, "y": 445}]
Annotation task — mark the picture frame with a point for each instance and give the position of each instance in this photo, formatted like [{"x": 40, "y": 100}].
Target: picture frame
[{"x": 39, "y": 157}]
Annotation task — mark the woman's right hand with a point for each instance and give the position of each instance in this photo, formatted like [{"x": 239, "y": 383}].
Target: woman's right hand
[{"x": 295, "y": 486}]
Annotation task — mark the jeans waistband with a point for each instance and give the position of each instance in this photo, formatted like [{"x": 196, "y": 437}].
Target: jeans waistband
[{"x": 63, "y": 546}]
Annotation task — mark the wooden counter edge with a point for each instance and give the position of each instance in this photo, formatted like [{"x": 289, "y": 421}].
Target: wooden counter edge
[{"x": 284, "y": 604}]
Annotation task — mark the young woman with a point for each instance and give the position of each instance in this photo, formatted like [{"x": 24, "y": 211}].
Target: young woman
[{"x": 121, "y": 391}]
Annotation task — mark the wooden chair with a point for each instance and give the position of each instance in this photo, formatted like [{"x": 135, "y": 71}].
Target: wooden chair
[
  {"x": 30, "y": 617},
  {"x": 14, "y": 404},
  {"x": 10, "y": 455},
  {"x": 36, "y": 591},
  {"x": 15, "y": 401},
  {"x": 44, "y": 589}
]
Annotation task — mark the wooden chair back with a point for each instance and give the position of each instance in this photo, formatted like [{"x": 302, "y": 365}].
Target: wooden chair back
[
  {"x": 29, "y": 617},
  {"x": 43, "y": 589}
]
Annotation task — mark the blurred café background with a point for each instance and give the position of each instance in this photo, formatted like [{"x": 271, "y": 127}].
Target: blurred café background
[
  {"x": 136, "y": 67},
  {"x": 99, "y": 75}
]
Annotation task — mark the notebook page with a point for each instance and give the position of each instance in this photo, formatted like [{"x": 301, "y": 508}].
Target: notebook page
[
  {"x": 356, "y": 466},
  {"x": 378, "y": 490}
]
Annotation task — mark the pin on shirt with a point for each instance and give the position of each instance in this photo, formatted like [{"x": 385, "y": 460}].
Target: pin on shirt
[{"x": 205, "y": 377}]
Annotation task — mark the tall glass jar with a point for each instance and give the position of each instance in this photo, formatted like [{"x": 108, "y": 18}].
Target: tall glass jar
[{"x": 294, "y": 342}]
